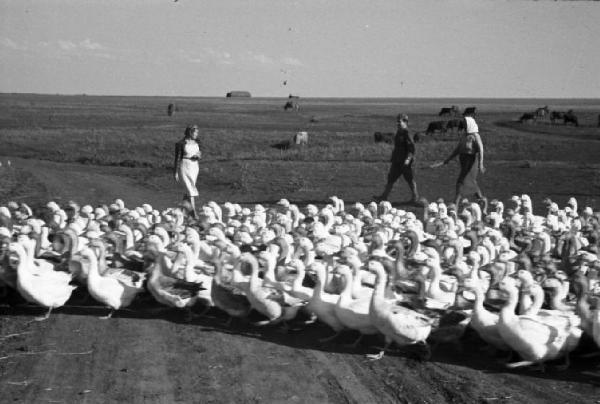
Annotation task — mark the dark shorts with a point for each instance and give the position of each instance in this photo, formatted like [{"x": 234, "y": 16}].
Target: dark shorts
[{"x": 398, "y": 170}]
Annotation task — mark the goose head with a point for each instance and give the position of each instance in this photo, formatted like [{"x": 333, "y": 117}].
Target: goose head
[
  {"x": 509, "y": 285},
  {"x": 17, "y": 254},
  {"x": 525, "y": 277},
  {"x": 376, "y": 268},
  {"x": 161, "y": 232}
]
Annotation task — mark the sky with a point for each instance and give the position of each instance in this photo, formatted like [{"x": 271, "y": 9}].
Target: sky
[{"x": 312, "y": 48}]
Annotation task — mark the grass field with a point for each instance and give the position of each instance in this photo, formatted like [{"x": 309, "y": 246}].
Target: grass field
[
  {"x": 242, "y": 161},
  {"x": 95, "y": 149}
]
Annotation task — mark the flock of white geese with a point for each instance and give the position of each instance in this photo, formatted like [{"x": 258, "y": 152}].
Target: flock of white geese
[{"x": 527, "y": 284}]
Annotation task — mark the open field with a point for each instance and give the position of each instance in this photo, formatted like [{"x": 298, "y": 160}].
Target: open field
[
  {"x": 95, "y": 149},
  {"x": 131, "y": 139}
]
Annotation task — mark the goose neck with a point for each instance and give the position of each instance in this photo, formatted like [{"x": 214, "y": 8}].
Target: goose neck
[{"x": 508, "y": 311}]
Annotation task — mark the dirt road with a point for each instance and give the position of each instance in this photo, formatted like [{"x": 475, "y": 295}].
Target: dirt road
[{"x": 153, "y": 357}]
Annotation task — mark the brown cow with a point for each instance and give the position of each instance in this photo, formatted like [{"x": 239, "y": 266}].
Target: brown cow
[
  {"x": 453, "y": 110},
  {"x": 528, "y": 117},
  {"x": 385, "y": 137},
  {"x": 455, "y": 124},
  {"x": 570, "y": 117},
  {"x": 436, "y": 126},
  {"x": 291, "y": 105},
  {"x": 556, "y": 115}
]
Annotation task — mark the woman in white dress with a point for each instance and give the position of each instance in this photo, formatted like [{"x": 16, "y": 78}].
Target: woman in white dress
[{"x": 187, "y": 155}]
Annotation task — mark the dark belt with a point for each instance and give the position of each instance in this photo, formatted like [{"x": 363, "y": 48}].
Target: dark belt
[{"x": 193, "y": 158}]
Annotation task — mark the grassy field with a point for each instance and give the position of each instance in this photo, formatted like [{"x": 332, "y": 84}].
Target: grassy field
[{"x": 244, "y": 160}]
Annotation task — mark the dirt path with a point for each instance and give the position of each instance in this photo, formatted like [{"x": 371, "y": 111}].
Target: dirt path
[
  {"x": 87, "y": 183},
  {"x": 158, "y": 358},
  {"x": 31, "y": 180}
]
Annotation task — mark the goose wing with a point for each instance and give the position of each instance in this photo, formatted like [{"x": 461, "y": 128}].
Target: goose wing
[
  {"x": 180, "y": 287},
  {"x": 126, "y": 276}
]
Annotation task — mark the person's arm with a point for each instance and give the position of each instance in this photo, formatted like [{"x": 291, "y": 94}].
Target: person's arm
[
  {"x": 453, "y": 154},
  {"x": 410, "y": 149},
  {"x": 480, "y": 147}
]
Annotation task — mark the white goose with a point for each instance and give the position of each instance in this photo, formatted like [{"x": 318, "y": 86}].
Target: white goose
[
  {"x": 276, "y": 305},
  {"x": 49, "y": 289},
  {"x": 398, "y": 324},
  {"x": 484, "y": 322},
  {"x": 126, "y": 276},
  {"x": 533, "y": 339},
  {"x": 353, "y": 314},
  {"x": 324, "y": 304},
  {"x": 37, "y": 264},
  {"x": 190, "y": 275},
  {"x": 596, "y": 324},
  {"x": 105, "y": 289},
  {"x": 167, "y": 290}
]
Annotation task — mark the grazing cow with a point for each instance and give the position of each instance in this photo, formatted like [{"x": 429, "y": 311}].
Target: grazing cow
[
  {"x": 556, "y": 115},
  {"x": 453, "y": 110},
  {"x": 171, "y": 109},
  {"x": 291, "y": 105},
  {"x": 470, "y": 111},
  {"x": 436, "y": 126},
  {"x": 599, "y": 120},
  {"x": 385, "y": 137},
  {"x": 301, "y": 138},
  {"x": 455, "y": 124},
  {"x": 542, "y": 112},
  {"x": 528, "y": 117},
  {"x": 570, "y": 117}
]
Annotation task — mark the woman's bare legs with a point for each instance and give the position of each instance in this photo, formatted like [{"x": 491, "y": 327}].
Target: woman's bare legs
[{"x": 193, "y": 204}]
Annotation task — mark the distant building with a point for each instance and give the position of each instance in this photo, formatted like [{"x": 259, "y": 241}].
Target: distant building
[{"x": 232, "y": 94}]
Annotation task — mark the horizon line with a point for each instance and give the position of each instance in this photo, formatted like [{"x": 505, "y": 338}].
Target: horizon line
[{"x": 305, "y": 97}]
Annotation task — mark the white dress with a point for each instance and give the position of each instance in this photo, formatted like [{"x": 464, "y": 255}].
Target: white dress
[{"x": 188, "y": 169}]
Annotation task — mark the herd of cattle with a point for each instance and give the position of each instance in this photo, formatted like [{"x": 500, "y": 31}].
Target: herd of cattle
[
  {"x": 554, "y": 117},
  {"x": 544, "y": 114},
  {"x": 457, "y": 124},
  {"x": 453, "y": 125}
]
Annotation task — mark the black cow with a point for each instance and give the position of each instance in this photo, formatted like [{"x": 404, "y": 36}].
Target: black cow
[
  {"x": 171, "y": 109},
  {"x": 470, "y": 111},
  {"x": 453, "y": 110},
  {"x": 599, "y": 120},
  {"x": 556, "y": 115},
  {"x": 385, "y": 137},
  {"x": 570, "y": 117},
  {"x": 436, "y": 126},
  {"x": 291, "y": 105},
  {"x": 455, "y": 124},
  {"x": 528, "y": 117}
]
